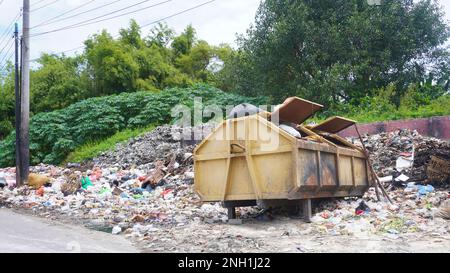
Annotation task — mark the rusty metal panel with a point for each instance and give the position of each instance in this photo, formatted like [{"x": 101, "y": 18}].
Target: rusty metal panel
[
  {"x": 345, "y": 172},
  {"x": 296, "y": 110},
  {"x": 307, "y": 170},
  {"x": 328, "y": 171},
  {"x": 334, "y": 125},
  {"x": 361, "y": 178}
]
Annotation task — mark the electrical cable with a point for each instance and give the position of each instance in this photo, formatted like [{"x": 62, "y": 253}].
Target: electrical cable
[
  {"x": 84, "y": 23},
  {"x": 147, "y": 24},
  {"x": 44, "y": 6},
  {"x": 48, "y": 21}
]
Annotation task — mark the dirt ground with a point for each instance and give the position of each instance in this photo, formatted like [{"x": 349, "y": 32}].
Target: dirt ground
[{"x": 283, "y": 236}]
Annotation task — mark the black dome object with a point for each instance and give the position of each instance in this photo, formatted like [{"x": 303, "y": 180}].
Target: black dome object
[{"x": 243, "y": 110}]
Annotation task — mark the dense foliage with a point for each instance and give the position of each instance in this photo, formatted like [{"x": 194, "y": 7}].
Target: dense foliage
[
  {"x": 341, "y": 51},
  {"x": 367, "y": 62},
  {"x": 415, "y": 103},
  {"x": 129, "y": 63},
  {"x": 55, "y": 134}
]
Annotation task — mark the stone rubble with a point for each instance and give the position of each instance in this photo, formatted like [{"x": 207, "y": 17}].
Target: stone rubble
[
  {"x": 144, "y": 189},
  {"x": 386, "y": 148}
]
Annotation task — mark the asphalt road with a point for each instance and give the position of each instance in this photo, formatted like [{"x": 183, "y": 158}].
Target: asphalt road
[{"x": 21, "y": 233}]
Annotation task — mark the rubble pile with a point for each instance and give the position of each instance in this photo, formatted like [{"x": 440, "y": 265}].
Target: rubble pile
[
  {"x": 145, "y": 186},
  {"x": 414, "y": 211},
  {"x": 148, "y": 180},
  {"x": 387, "y": 149},
  {"x": 115, "y": 198},
  {"x": 160, "y": 144}
]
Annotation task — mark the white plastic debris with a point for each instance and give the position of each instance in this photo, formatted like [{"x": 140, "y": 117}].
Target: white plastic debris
[
  {"x": 386, "y": 179},
  {"x": 116, "y": 230},
  {"x": 403, "y": 163},
  {"x": 402, "y": 178},
  {"x": 291, "y": 130}
]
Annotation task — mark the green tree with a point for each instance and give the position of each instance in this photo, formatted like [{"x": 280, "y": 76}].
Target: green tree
[
  {"x": 132, "y": 35},
  {"x": 160, "y": 35},
  {"x": 196, "y": 62},
  {"x": 7, "y": 101},
  {"x": 183, "y": 43},
  {"x": 338, "y": 50},
  {"x": 111, "y": 65},
  {"x": 59, "y": 82}
]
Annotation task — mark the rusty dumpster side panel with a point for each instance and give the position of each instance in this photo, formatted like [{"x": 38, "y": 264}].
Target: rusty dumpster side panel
[
  {"x": 236, "y": 162},
  {"x": 327, "y": 172}
]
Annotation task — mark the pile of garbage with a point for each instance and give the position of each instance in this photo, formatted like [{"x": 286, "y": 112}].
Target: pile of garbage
[
  {"x": 146, "y": 184},
  {"x": 402, "y": 160},
  {"x": 148, "y": 180},
  {"x": 160, "y": 144},
  {"x": 415, "y": 209},
  {"x": 406, "y": 152}
]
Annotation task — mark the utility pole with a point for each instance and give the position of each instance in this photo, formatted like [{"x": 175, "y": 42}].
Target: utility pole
[
  {"x": 25, "y": 96},
  {"x": 17, "y": 113}
]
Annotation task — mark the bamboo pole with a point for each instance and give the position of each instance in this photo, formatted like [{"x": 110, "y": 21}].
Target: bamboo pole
[{"x": 374, "y": 175}]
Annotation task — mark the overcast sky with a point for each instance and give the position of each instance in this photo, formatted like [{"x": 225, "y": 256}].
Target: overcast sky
[{"x": 217, "y": 22}]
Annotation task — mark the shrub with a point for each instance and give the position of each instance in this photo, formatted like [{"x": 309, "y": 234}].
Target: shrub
[{"x": 55, "y": 134}]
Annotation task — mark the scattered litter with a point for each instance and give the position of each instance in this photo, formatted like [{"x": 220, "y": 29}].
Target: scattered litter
[
  {"x": 402, "y": 178},
  {"x": 362, "y": 208},
  {"x": 291, "y": 130},
  {"x": 403, "y": 164},
  {"x": 444, "y": 211},
  {"x": 86, "y": 182},
  {"x": 386, "y": 179},
  {"x": 116, "y": 230},
  {"x": 405, "y": 147},
  {"x": 37, "y": 181},
  {"x": 438, "y": 170},
  {"x": 112, "y": 192}
]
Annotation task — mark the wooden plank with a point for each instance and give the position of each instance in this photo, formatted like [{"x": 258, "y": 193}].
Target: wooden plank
[
  {"x": 334, "y": 125},
  {"x": 296, "y": 110}
]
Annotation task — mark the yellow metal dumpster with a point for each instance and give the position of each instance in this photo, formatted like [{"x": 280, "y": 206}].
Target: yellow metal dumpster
[{"x": 252, "y": 158}]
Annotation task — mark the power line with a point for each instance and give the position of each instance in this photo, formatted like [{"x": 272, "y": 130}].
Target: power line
[
  {"x": 7, "y": 52},
  {"x": 7, "y": 59},
  {"x": 145, "y": 25},
  {"x": 178, "y": 13},
  {"x": 5, "y": 36},
  {"x": 84, "y": 12},
  {"x": 46, "y": 22},
  {"x": 61, "y": 52},
  {"x": 38, "y": 2},
  {"x": 10, "y": 27},
  {"x": 88, "y": 22},
  {"x": 82, "y": 23},
  {"x": 6, "y": 45},
  {"x": 44, "y": 6}
]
